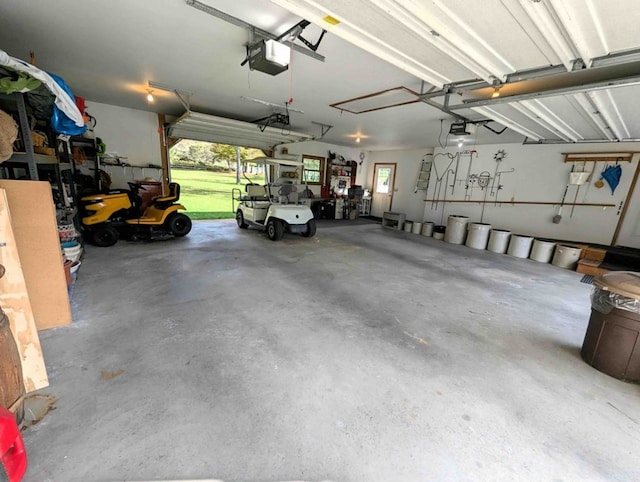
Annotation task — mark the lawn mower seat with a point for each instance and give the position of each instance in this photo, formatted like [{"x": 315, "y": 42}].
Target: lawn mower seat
[{"x": 173, "y": 196}]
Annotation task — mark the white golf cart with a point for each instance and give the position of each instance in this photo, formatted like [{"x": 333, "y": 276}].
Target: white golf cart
[{"x": 274, "y": 207}]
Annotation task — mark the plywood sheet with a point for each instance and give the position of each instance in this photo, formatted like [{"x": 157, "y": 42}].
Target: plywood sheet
[
  {"x": 14, "y": 300},
  {"x": 33, "y": 218}
]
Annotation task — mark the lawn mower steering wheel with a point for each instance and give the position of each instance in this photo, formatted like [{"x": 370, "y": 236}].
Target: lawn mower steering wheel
[{"x": 134, "y": 186}]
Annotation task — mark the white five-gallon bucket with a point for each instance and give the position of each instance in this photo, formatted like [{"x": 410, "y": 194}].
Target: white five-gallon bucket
[
  {"x": 566, "y": 256},
  {"x": 498, "y": 241},
  {"x": 417, "y": 227},
  {"x": 478, "y": 235},
  {"x": 542, "y": 250},
  {"x": 408, "y": 226},
  {"x": 456, "y": 229},
  {"x": 427, "y": 229},
  {"x": 520, "y": 246}
]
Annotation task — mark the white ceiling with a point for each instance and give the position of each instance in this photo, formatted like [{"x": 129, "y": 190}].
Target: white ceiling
[{"x": 108, "y": 51}]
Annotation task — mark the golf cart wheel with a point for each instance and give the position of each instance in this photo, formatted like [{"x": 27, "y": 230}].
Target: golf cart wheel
[
  {"x": 240, "y": 220},
  {"x": 275, "y": 229},
  {"x": 311, "y": 229},
  {"x": 179, "y": 224},
  {"x": 105, "y": 236}
]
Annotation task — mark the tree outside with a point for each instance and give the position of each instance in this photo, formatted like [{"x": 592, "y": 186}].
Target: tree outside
[{"x": 207, "y": 173}]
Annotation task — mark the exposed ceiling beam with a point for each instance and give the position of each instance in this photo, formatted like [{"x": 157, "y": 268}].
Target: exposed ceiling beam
[
  {"x": 585, "y": 107},
  {"x": 203, "y": 7},
  {"x": 543, "y": 113},
  {"x": 610, "y": 113},
  {"x": 505, "y": 121},
  {"x": 546, "y": 20},
  {"x": 552, "y": 85},
  {"x": 366, "y": 40}
]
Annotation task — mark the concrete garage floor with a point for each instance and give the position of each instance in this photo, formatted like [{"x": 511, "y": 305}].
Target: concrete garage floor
[{"x": 362, "y": 354}]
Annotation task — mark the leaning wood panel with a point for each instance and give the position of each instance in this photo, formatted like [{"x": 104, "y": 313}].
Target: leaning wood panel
[
  {"x": 14, "y": 300},
  {"x": 33, "y": 218}
]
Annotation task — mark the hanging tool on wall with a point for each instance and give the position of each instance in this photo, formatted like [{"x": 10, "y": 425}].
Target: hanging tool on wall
[
  {"x": 483, "y": 181},
  {"x": 468, "y": 181},
  {"x": 558, "y": 217},
  {"x": 437, "y": 188},
  {"x": 444, "y": 200},
  {"x": 578, "y": 179}
]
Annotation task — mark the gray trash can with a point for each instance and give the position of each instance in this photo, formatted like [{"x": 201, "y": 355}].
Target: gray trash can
[{"x": 614, "y": 327}]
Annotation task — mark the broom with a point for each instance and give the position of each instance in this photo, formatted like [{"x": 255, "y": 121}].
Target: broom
[{"x": 558, "y": 217}]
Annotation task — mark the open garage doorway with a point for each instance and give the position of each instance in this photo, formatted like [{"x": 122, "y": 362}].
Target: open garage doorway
[{"x": 207, "y": 172}]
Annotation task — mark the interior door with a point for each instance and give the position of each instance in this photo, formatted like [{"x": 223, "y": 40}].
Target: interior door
[{"x": 383, "y": 187}]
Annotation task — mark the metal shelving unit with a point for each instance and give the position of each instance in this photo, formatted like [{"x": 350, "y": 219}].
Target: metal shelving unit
[
  {"x": 25, "y": 133},
  {"x": 30, "y": 165}
]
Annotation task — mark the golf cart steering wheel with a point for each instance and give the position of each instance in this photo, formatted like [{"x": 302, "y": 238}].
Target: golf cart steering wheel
[{"x": 286, "y": 189}]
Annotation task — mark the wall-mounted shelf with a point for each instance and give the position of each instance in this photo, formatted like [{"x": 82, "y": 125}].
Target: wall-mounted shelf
[
  {"x": 598, "y": 156},
  {"x": 23, "y": 157}
]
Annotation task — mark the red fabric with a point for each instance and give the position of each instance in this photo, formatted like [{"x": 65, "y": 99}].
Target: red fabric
[
  {"x": 12, "y": 453},
  {"x": 80, "y": 103}
]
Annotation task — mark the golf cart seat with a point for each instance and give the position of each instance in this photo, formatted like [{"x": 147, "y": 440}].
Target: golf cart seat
[
  {"x": 255, "y": 192},
  {"x": 173, "y": 196}
]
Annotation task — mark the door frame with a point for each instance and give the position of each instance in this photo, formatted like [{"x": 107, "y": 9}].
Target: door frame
[
  {"x": 373, "y": 180},
  {"x": 627, "y": 200}
]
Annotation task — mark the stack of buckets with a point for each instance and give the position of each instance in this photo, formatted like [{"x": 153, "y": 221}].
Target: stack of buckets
[
  {"x": 481, "y": 236},
  {"x": 72, "y": 251}
]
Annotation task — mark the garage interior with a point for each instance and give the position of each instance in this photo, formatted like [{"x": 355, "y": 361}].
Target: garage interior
[{"x": 363, "y": 352}]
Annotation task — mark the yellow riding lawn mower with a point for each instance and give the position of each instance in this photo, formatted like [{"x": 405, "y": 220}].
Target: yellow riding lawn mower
[{"x": 107, "y": 217}]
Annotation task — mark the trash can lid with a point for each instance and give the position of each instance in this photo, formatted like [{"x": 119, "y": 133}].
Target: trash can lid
[{"x": 625, "y": 283}]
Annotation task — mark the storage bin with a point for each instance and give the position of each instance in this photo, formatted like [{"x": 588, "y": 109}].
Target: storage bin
[
  {"x": 520, "y": 246},
  {"x": 478, "y": 235},
  {"x": 456, "y": 229}
]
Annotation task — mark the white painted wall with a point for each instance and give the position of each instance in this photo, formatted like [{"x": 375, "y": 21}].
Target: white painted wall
[
  {"x": 405, "y": 200},
  {"x": 540, "y": 175},
  {"x": 129, "y": 133},
  {"x": 320, "y": 149}
]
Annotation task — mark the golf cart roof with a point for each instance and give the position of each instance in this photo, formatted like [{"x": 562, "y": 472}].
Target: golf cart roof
[{"x": 278, "y": 162}]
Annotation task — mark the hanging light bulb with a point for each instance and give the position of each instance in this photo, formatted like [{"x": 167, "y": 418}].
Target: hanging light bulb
[
  {"x": 149, "y": 95},
  {"x": 460, "y": 144},
  {"x": 496, "y": 92},
  {"x": 358, "y": 139}
]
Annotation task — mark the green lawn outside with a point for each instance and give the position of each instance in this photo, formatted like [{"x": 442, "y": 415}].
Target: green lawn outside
[{"x": 206, "y": 194}]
